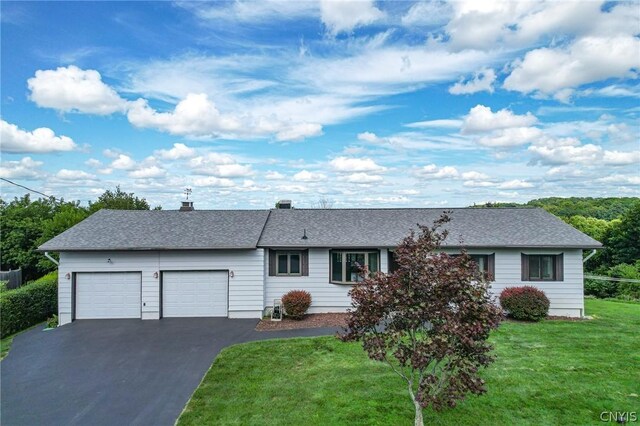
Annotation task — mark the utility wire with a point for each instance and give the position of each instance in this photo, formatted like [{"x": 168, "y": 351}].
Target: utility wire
[{"x": 29, "y": 189}]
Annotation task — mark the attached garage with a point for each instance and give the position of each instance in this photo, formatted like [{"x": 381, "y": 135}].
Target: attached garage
[
  {"x": 195, "y": 293},
  {"x": 107, "y": 295}
]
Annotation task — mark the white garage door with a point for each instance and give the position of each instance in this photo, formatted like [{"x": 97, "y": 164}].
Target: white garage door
[
  {"x": 108, "y": 295},
  {"x": 194, "y": 294}
]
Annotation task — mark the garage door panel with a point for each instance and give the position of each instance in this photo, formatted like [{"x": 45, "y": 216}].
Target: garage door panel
[
  {"x": 194, "y": 294},
  {"x": 108, "y": 295}
]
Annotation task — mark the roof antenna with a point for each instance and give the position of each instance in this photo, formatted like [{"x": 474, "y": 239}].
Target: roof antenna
[
  {"x": 187, "y": 192},
  {"x": 304, "y": 237}
]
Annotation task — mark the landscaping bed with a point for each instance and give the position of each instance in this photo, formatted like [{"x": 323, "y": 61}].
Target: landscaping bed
[
  {"x": 309, "y": 321},
  {"x": 550, "y": 372}
]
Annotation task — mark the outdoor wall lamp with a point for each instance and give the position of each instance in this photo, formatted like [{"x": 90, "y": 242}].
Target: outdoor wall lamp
[
  {"x": 155, "y": 275},
  {"x": 67, "y": 276},
  {"x": 109, "y": 260},
  {"x": 231, "y": 274}
]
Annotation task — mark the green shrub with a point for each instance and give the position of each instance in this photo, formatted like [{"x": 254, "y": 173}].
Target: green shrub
[
  {"x": 296, "y": 303},
  {"x": 28, "y": 305},
  {"x": 525, "y": 303},
  {"x": 3, "y": 286},
  {"x": 52, "y": 322},
  {"x": 630, "y": 290},
  {"x": 600, "y": 289}
]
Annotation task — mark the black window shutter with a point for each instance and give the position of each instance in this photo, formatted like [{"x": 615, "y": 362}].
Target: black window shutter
[
  {"x": 391, "y": 261},
  {"x": 559, "y": 265},
  {"x": 272, "y": 263},
  {"x": 491, "y": 266},
  {"x": 525, "y": 267},
  {"x": 304, "y": 260}
]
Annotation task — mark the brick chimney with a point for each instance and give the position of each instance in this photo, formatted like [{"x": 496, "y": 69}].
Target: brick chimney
[{"x": 187, "y": 206}]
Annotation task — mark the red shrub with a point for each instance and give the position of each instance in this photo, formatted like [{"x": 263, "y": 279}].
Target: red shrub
[
  {"x": 525, "y": 303},
  {"x": 296, "y": 303}
]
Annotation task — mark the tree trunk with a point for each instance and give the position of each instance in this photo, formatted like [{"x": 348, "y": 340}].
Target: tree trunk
[{"x": 418, "y": 421}]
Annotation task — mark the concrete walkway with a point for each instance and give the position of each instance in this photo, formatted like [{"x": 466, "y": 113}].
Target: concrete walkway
[{"x": 116, "y": 372}]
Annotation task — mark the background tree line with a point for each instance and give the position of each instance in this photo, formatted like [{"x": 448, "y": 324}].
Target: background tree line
[{"x": 25, "y": 224}]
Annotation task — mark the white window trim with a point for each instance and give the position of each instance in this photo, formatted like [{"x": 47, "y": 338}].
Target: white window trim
[
  {"x": 344, "y": 263},
  {"x": 288, "y": 253}
]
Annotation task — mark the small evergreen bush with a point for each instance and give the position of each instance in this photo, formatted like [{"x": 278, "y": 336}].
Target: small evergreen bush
[
  {"x": 525, "y": 303},
  {"x": 296, "y": 303}
]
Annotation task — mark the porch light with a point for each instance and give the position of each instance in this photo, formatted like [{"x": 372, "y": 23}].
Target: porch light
[
  {"x": 155, "y": 275},
  {"x": 67, "y": 276}
]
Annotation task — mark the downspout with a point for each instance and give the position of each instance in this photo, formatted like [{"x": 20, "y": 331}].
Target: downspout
[
  {"x": 593, "y": 252},
  {"x": 48, "y": 256}
]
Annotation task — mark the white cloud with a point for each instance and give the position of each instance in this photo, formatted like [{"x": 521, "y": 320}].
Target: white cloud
[
  {"x": 214, "y": 182},
  {"x": 197, "y": 116},
  {"x": 558, "y": 71},
  {"x": 307, "y": 176},
  {"x": 221, "y": 165},
  {"x": 178, "y": 151},
  {"x": 93, "y": 163},
  {"x": 435, "y": 172},
  {"x": 511, "y": 137},
  {"x": 350, "y": 165},
  {"x": 444, "y": 123},
  {"x": 482, "y": 81},
  {"x": 482, "y": 119},
  {"x": 427, "y": 13},
  {"x": 273, "y": 175},
  {"x": 566, "y": 154},
  {"x": 231, "y": 170},
  {"x": 148, "y": 172},
  {"x": 300, "y": 131},
  {"x": 620, "y": 179},
  {"x": 211, "y": 159},
  {"x": 25, "y": 168},
  {"x": 478, "y": 184},
  {"x": 620, "y": 158},
  {"x": 123, "y": 162},
  {"x": 345, "y": 15},
  {"x": 65, "y": 174},
  {"x": 515, "y": 184},
  {"x": 473, "y": 175},
  {"x": 250, "y": 11},
  {"x": 71, "y": 89},
  {"x": 41, "y": 140},
  {"x": 363, "y": 178}
]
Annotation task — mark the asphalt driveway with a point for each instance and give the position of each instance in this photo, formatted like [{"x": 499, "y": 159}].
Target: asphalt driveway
[{"x": 116, "y": 372}]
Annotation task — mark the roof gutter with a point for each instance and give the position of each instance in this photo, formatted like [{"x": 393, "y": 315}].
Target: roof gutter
[
  {"x": 593, "y": 252},
  {"x": 48, "y": 256}
]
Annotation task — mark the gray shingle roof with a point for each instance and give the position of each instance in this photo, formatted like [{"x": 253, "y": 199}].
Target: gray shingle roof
[
  {"x": 236, "y": 229},
  {"x": 162, "y": 230},
  {"x": 501, "y": 227}
]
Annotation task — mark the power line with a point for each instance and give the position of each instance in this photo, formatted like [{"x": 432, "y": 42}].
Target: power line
[{"x": 29, "y": 189}]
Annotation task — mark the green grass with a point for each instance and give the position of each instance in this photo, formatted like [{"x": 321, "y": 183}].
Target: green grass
[{"x": 553, "y": 372}]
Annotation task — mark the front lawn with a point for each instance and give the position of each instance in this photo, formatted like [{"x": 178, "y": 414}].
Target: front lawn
[{"x": 553, "y": 372}]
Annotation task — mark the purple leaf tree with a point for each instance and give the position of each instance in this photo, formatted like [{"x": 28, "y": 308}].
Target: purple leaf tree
[{"x": 429, "y": 320}]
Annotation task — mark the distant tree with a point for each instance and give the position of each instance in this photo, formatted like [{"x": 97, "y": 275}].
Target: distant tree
[
  {"x": 23, "y": 222},
  {"x": 119, "y": 200},
  {"x": 622, "y": 240},
  {"x": 593, "y": 227},
  {"x": 324, "y": 203},
  {"x": 67, "y": 215},
  {"x": 429, "y": 320}
]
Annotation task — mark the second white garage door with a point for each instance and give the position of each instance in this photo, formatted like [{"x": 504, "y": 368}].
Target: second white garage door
[{"x": 194, "y": 294}]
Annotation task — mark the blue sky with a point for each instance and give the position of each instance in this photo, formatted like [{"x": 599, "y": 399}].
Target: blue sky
[{"x": 422, "y": 104}]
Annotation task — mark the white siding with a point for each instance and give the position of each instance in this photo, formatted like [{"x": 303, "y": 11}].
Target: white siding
[
  {"x": 325, "y": 297},
  {"x": 245, "y": 288},
  {"x": 566, "y": 297}
]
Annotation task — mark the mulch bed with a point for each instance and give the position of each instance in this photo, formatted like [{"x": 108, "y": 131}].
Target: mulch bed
[{"x": 309, "y": 321}]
